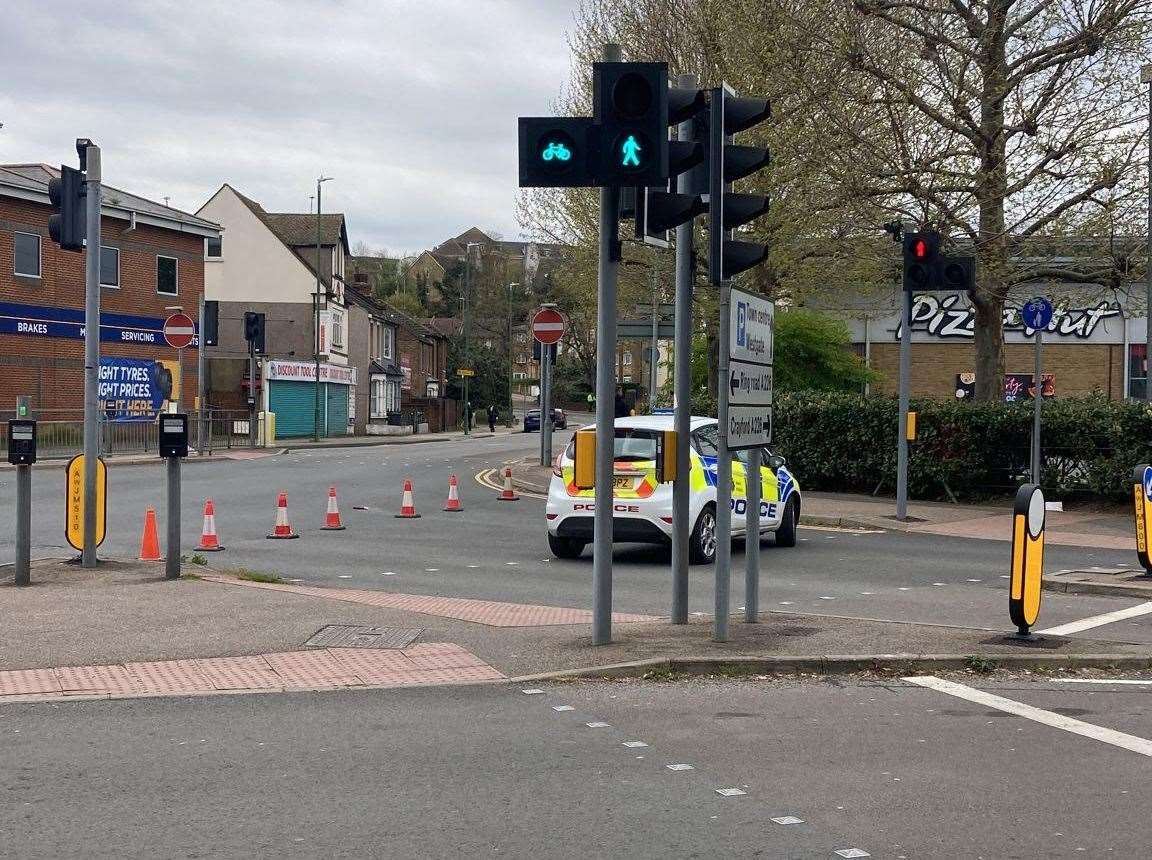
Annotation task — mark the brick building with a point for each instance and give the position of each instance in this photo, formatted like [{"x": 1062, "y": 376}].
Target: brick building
[{"x": 152, "y": 258}]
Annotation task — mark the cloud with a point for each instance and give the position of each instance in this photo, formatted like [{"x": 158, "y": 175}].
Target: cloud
[{"x": 411, "y": 106}]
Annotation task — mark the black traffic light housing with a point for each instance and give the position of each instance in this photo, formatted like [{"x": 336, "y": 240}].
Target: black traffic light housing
[
  {"x": 630, "y": 109},
  {"x": 67, "y": 225},
  {"x": 660, "y": 208},
  {"x": 21, "y": 442},
  {"x": 211, "y": 323},
  {"x": 558, "y": 152},
  {"x": 728, "y": 115},
  {"x": 173, "y": 434},
  {"x": 254, "y": 332}
]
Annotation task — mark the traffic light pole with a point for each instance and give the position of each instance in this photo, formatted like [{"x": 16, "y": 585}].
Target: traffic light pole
[
  {"x": 682, "y": 386},
  {"x": 545, "y": 404},
  {"x": 201, "y": 388},
  {"x": 605, "y": 403},
  {"x": 91, "y": 350},
  {"x": 251, "y": 394},
  {"x": 905, "y": 384}
]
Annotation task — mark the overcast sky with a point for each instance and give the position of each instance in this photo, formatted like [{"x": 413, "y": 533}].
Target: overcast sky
[{"x": 410, "y": 106}]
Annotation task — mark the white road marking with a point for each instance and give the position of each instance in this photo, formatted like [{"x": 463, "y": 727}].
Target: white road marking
[
  {"x": 680, "y": 767},
  {"x": 730, "y": 792},
  {"x": 634, "y": 744},
  {"x": 598, "y": 725},
  {"x": 787, "y": 819},
  {"x": 1102, "y": 681},
  {"x": 431, "y": 569},
  {"x": 388, "y": 573},
  {"x": 1039, "y": 715},
  {"x": 343, "y": 576},
  {"x": 563, "y": 708},
  {"x": 532, "y": 692},
  {"x": 1098, "y": 620}
]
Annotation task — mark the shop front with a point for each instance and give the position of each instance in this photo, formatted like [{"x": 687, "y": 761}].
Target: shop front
[
  {"x": 292, "y": 394},
  {"x": 1092, "y": 346}
]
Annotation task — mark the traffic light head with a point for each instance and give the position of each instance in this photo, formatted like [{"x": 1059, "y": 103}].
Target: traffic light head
[
  {"x": 727, "y": 163},
  {"x": 557, "y": 152},
  {"x": 254, "y": 331},
  {"x": 66, "y": 225},
  {"x": 921, "y": 253},
  {"x": 630, "y": 106}
]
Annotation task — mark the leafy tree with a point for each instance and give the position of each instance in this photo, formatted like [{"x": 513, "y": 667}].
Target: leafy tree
[
  {"x": 490, "y": 384},
  {"x": 812, "y": 352},
  {"x": 408, "y": 303}
]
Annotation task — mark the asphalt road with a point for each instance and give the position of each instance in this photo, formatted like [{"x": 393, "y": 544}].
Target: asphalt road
[
  {"x": 880, "y": 769},
  {"x": 497, "y": 550}
]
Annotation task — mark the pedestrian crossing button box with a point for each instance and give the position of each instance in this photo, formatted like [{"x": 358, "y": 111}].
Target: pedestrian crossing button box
[
  {"x": 22, "y": 442},
  {"x": 173, "y": 435}
]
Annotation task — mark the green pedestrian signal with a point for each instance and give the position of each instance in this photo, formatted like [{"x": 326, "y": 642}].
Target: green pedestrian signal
[{"x": 628, "y": 151}]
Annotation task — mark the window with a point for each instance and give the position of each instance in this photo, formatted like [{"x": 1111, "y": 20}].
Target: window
[
  {"x": 1137, "y": 370},
  {"x": 167, "y": 275},
  {"x": 26, "y": 255},
  {"x": 627, "y": 359},
  {"x": 360, "y": 278},
  {"x": 388, "y": 343},
  {"x": 213, "y": 247},
  {"x": 707, "y": 441},
  {"x": 337, "y": 330},
  {"x": 109, "y": 267},
  {"x": 521, "y": 359},
  {"x": 379, "y": 406}
]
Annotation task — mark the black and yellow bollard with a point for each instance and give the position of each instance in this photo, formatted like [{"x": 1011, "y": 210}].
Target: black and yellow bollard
[
  {"x": 1142, "y": 508},
  {"x": 1027, "y": 558}
]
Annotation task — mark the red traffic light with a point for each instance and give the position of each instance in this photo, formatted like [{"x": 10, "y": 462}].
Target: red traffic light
[{"x": 920, "y": 249}]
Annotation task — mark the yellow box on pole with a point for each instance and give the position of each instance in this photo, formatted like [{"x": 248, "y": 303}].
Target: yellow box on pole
[
  {"x": 584, "y": 459},
  {"x": 74, "y": 502},
  {"x": 666, "y": 457},
  {"x": 910, "y": 433}
]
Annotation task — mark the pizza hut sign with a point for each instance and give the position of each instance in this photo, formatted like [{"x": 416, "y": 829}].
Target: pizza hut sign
[{"x": 951, "y": 316}]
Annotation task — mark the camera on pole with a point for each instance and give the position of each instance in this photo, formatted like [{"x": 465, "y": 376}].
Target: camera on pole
[{"x": 66, "y": 194}]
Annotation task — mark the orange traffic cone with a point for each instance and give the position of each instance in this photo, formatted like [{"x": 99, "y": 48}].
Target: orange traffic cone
[
  {"x": 208, "y": 540},
  {"x": 149, "y": 542},
  {"x": 508, "y": 494},
  {"x": 283, "y": 531},
  {"x": 453, "y": 505},
  {"x": 332, "y": 519},
  {"x": 407, "y": 506}
]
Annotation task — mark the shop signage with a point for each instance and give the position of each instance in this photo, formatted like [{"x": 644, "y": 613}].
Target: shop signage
[
  {"x": 41, "y": 321},
  {"x": 130, "y": 389},
  {"x": 951, "y": 316},
  {"x": 305, "y": 371}
]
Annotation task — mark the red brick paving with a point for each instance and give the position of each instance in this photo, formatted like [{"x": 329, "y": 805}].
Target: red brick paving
[
  {"x": 489, "y": 612},
  {"x": 320, "y": 669}
]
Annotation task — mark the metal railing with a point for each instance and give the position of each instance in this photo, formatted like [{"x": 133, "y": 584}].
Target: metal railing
[{"x": 60, "y": 433}]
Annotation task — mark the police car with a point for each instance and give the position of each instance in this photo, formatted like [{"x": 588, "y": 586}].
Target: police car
[{"x": 642, "y": 508}]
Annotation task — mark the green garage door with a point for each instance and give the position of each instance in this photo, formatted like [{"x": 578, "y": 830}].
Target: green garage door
[
  {"x": 294, "y": 404},
  {"x": 337, "y": 410}
]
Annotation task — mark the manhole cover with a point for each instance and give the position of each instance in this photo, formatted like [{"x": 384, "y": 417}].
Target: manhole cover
[{"x": 357, "y": 636}]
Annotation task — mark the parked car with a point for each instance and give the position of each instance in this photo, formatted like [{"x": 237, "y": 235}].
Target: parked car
[
  {"x": 642, "y": 510},
  {"x": 532, "y": 420}
]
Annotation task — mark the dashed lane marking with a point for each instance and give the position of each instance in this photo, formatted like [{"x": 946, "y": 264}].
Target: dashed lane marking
[
  {"x": 1039, "y": 715},
  {"x": 1099, "y": 620}
]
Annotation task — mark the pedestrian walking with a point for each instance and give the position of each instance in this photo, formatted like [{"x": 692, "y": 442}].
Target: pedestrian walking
[{"x": 493, "y": 414}]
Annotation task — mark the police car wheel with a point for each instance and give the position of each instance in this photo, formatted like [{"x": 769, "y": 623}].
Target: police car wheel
[
  {"x": 702, "y": 543},
  {"x": 786, "y": 534},
  {"x": 563, "y": 547}
]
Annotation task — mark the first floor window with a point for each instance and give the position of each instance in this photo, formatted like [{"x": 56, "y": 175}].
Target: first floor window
[
  {"x": 167, "y": 276},
  {"x": 109, "y": 267},
  {"x": 26, "y": 255}
]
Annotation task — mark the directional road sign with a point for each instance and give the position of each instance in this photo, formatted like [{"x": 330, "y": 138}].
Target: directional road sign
[
  {"x": 748, "y": 422},
  {"x": 179, "y": 330},
  {"x": 547, "y": 325}
]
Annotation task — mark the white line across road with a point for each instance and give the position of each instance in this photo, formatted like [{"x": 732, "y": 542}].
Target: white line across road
[
  {"x": 1099, "y": 620},
  {"x": 1039, "y": 715}
]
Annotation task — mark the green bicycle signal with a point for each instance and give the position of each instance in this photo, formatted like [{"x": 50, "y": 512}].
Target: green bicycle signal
[{"x": 556, "y": 151}]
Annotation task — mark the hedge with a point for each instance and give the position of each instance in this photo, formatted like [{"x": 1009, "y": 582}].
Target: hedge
[{"x": 965, "y": 451}]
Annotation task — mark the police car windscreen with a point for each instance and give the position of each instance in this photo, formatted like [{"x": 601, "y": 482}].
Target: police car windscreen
[{"x": 634, "y": 444}]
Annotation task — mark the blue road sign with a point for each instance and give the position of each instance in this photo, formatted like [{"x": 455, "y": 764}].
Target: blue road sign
[{"x": 1037, "y": 313}]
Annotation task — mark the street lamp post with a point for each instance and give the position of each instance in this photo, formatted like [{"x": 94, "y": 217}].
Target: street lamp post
[
  {"x": 511, "y": 402},
  {"x": 316, "y": 316},
  {"x": 1146, "y": 78}
]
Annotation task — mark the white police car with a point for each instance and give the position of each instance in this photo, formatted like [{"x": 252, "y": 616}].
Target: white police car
[{"x": 642, "y": 508}]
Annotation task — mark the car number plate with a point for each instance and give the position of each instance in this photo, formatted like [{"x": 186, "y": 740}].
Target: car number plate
[{"x": 619, "y": 483}]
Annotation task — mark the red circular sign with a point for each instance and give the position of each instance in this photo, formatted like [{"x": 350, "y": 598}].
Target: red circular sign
[
  {"x": 547, "y": 325},
  {"x": 179, "y": 330}
]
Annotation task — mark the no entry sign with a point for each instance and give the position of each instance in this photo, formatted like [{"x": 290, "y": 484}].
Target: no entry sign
[
  {"x": 179, "y": 330},
  {"x": 547, "y": 325}
]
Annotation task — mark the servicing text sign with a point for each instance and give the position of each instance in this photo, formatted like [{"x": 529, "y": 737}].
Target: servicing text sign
[{"x": 748, "y": 421}]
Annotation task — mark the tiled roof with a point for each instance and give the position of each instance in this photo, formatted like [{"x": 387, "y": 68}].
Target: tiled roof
[
  {"x": 35, "y": 177},
  {"x": 296, "y": 230}
]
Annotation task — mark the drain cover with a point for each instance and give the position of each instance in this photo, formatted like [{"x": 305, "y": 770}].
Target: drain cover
[{"x": 356, "y": 636}]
